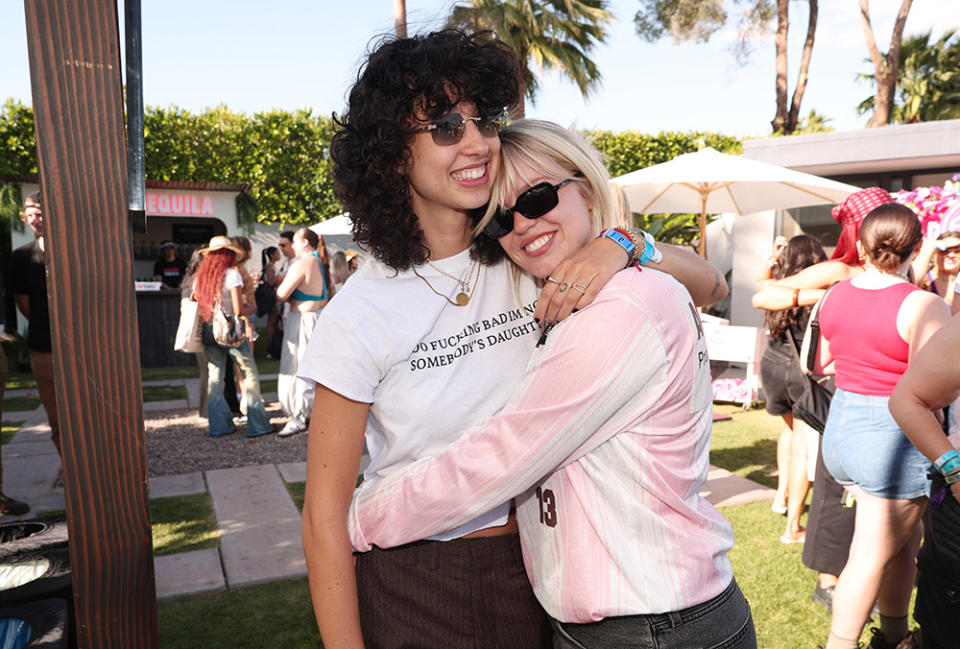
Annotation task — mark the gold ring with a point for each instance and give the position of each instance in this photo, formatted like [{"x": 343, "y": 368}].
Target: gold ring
[
  {"x": 580, "y": 287},
  {"x": 563, "y": 287}
]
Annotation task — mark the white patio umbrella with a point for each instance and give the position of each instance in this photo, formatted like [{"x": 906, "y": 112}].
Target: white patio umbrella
[{"x": 712, "y": 182}]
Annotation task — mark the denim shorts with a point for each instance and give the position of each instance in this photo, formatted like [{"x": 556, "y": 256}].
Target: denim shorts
[
  {"x": 723, "y": 622},
  {"x": 863, "y": 445}
]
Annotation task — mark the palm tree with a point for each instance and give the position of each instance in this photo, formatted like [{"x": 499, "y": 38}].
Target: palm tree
[
  {"x": 400, "y": 17},
  {"x": 547, "y": 34},
  {"x": 928, "y": 80}
]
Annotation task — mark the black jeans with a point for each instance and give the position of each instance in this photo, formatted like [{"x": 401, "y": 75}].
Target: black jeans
[{"x": 723, "y": 622}]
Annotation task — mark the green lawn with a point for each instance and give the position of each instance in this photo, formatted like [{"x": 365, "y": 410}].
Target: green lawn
[
  {"x": 20, "y": 380},
  {"x": 20, "y": 404},
  {"x": 296, "y": 490},
  {"x": 183, "y": 524},
  {"x": 9, "y": 429},
  {"x": 164, "y": 392},
  {"x": 747, "y": 444},
  {"x": 169, "y": 373},
  {"x": 278, "y": 614}
]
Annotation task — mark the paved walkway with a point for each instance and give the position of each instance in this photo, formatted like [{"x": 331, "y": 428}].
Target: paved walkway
[{"x": 259, "y": 525}]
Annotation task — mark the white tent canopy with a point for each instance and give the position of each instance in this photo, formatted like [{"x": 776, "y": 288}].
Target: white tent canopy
[{"x": 710, "y": 182}]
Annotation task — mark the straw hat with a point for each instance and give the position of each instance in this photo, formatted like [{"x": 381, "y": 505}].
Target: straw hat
[
  {"x": 221, "y": 242},
  {"x": 350, "y": 253}
]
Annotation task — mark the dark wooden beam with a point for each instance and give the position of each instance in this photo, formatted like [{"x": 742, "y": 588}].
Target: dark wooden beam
[{"x": 78, "y": 107}]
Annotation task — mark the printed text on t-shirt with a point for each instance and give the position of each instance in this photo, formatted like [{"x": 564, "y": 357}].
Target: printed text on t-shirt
[{"x": 477, "y": 336}]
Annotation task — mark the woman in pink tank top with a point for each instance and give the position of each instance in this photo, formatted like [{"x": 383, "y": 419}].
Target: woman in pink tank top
[{"x": 873, "y": 325}]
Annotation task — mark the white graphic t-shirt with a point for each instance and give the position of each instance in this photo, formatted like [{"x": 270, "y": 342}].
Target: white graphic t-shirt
[{"x": 430, "y": 369}]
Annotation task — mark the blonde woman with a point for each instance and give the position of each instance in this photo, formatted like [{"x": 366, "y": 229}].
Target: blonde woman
[{"x": 604, "y": 444}]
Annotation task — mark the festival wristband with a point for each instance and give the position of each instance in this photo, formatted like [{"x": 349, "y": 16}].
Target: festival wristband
[
  {"x": 623, "y": 240},
  {"x": 940, "y": 462},
  {"x": 951, "y": 465},
  {"x": 650, "y": 251},
  {"x": 952, "y": 477}
]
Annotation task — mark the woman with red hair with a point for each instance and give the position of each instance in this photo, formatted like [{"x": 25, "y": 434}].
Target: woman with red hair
[
  {"x": 217, "y": 284},
  {"x": 806, "y": 287}
]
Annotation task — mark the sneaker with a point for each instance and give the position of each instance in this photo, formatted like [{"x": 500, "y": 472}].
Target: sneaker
[
  {"x": 239, "y": 420},
  {"x": 12, "y": 507},
  {"x": 293, "y": 427}
]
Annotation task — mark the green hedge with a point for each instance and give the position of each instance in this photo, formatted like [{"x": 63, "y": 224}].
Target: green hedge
[{"x": 284, "y": 155}]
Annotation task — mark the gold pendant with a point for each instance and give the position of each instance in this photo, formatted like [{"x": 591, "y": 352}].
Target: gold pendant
[{"x": 462, "y": 299}]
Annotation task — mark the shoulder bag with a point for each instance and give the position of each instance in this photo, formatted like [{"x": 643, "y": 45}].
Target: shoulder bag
[
  {"x": 813, "y": 404},
  {"x": 227, "y": 330},
  {"x": 189, "y": 336}
]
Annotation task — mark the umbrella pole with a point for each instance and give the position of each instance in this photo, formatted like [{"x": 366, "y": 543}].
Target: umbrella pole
[{"x": 703, "y": 226}]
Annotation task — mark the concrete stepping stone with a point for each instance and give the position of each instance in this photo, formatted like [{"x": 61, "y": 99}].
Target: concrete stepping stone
[
  {"x": 159, "y": 406},
  {"x": 182, "y": 484},
  {"x": 259, "y": 525},
  {"x": 297, "y": 471},
  {"x": 293, "y": 471},
  {"x": 188, "y": 573},
  {"x": 724, "y": 489}
]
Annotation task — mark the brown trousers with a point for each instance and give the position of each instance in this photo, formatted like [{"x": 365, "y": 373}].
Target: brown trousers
[
  {"x": 42, "y": 365},
  {"x": 461, "y": 594}
]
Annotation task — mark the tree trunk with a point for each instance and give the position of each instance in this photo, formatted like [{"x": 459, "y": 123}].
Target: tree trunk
[
  {"x": 794, "y": 116},
  {"x": 519, "y": 111},
  {"x": 400, "y": 17},
  {"x": 780, "y": 121},
  {"x": 885, "y": 68}
]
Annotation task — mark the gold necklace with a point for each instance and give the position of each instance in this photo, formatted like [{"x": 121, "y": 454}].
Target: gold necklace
[
  {"x": 464, "y": 287},
  {"x": 463, "y": 297}
]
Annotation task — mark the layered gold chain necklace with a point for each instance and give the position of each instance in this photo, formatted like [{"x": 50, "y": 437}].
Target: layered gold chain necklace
[{"x": 466, "y": 288}]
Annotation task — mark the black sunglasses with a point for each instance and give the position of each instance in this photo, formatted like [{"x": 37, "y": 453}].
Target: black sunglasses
[
  {"x": 533, "y": 203},
  {"x": 449, "y": 129}
]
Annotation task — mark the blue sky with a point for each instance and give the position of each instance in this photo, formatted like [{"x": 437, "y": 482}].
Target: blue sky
[{"x": 300, "y": 53}]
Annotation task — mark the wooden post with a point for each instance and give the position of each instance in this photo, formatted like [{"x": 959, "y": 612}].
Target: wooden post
[{"x": 77, "y": 101}]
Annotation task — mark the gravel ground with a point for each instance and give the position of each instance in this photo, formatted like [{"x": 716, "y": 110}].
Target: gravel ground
[{"x": 177, "y": 442}]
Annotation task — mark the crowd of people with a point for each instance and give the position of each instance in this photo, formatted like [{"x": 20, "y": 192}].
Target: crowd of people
[
  {"x": 293, "y": 286},
  {"x": 882, "y": 298},
  {"x": 530, "y": 378}
]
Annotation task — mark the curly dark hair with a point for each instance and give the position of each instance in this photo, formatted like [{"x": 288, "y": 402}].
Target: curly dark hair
[
  {"x": 801, "y": 251},
  {"x": 370, "y": 146}
]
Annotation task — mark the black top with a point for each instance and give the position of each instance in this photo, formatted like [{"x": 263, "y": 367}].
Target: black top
[
  {"x": 170, "y": 272},
  {"x": 28, "y": 276}
]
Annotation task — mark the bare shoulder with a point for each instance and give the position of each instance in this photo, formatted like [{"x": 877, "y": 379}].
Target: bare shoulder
[{"x": 927, "y": 303}]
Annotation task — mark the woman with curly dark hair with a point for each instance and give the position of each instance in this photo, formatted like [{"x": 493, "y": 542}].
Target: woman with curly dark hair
[
  {"x": 218, "y": 283},
  {"x": 429, "y": 336},
  {"x": 783, "y": 381}
]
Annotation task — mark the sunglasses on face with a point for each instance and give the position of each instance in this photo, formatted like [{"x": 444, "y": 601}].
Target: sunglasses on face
[
  {"x": 450, "y": 128},
  {"x": 533, "y": 203}
]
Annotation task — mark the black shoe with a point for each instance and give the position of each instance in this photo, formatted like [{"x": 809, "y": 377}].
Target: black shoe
[
  {"x": 911, "y": 641},
  {"x": 823, "y": 596},
  {"x": 12, "y": 507}
]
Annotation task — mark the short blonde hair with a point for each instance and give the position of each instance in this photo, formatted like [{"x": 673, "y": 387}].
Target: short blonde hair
[{"x": 546, "y": 147}]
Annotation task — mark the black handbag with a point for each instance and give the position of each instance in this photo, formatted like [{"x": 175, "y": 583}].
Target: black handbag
[
  {"x": 813, "y": 404},
  {"x": 266, "y": 298}
]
